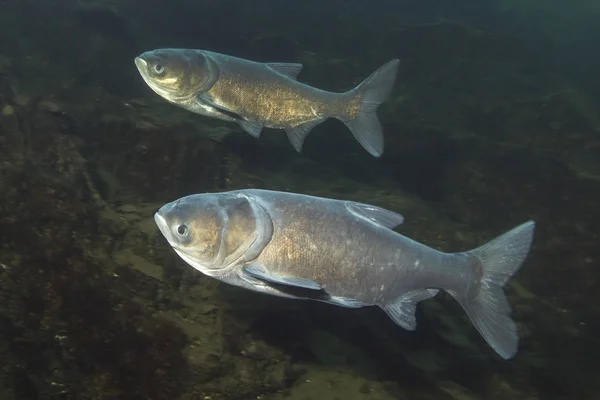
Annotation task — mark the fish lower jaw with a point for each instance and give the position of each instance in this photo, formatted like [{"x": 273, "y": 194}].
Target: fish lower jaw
[
  {"x": 170, "y": 96},
  {"x": 212, "y": 272},
  {"x": 167, "y": 95}
]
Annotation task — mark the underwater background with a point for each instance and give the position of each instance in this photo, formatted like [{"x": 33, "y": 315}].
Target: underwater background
[{"x": 494, "y": 120}]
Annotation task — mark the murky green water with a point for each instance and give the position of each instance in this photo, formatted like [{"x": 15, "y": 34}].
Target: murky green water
[{"x": 493, "y": 121}]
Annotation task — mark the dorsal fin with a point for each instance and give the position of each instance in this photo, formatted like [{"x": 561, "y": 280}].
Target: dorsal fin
[
  {"x": 291, "y": 70},
  {"x": 381, "y": 216}
]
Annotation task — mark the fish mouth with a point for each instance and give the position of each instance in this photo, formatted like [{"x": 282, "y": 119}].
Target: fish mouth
[
  {"x": 141, "y": 64},
  {"x": 188, "y": 258},
  {"x": 161, "y": 222},
  {"x": 163, "y": 227}
]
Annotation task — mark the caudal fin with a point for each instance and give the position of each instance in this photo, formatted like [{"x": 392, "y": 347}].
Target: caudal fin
[
  {"x": 371, "y": 93},
  {"x": 485, "y": 304}
]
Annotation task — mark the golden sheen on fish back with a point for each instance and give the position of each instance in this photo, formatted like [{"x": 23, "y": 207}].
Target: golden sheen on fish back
[
  {"x": 343, "y": 253},
  {"x": 258, "y": 95}
]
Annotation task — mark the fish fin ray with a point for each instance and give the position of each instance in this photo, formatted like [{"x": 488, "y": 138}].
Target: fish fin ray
[
  {"x": 373, "y": 91},
  {"x": 378, "y": 215},
  {"x": 402, "y": 310},
  {"x": 259, "y": 273},
  {"x": 291, "y": 70},
  {"x": 252, "y": 128},
  {"x": 205, "y": 101},
  {"x": 486, "y": 304},
  {"x": 297, "y": 134},
  {"x": 345, "y": 302}
]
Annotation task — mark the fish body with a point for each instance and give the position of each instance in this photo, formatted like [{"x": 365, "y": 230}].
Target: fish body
[
  {"x": 258, "y": 95},
  {"x": 344, "y": 253}
]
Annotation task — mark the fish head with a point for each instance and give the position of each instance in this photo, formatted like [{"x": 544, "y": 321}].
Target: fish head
[
  {"x": 216, "y": 233},
  {"x": 178, "y": 75}
]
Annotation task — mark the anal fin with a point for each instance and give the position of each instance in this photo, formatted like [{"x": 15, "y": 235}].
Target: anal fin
[
  {"x": 297, "y": 134},
  {"x": 252, "y": 128},
  {"x": 402, "y": 310}
]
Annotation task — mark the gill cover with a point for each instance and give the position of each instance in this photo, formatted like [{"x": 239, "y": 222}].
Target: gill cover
[
  {"x": 247, "y": 229},
  {"x": 182, "y": 73}
]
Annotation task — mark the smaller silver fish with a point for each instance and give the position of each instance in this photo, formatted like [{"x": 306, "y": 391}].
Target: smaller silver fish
[
  {"x": 258, "y": 95},
  {"x": 344, "y": 253}
]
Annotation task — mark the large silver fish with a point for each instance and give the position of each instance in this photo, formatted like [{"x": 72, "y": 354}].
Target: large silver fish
[
  {"x": 257, "y": 95},
  {"x": 344, "y": 253}
]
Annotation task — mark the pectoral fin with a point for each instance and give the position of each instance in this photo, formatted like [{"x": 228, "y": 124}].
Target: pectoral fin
[
  {"x": 259, "y": 273},
  {"x": 252, "y": 128},
  {"x": 205, "y": 102},
  {"x": 345, "y": 302}
]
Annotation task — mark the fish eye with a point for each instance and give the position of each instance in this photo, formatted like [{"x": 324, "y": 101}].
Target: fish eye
[
  {"x": 159, "y": 68},
  {"x": 182, "y": 230}
]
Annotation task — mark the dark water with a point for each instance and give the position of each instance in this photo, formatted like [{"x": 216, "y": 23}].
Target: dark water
[{"x": 494, "y": 120}]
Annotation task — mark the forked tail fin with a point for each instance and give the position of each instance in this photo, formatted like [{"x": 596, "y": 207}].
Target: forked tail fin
[
  {"x": 485, "y": 303},
  {"x": 371, "y": 93}
]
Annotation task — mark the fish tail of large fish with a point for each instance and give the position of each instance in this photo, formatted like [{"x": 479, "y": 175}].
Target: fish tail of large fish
[
  {"x": 373, "y": 91},
  {"x": 484, "y": 301}
]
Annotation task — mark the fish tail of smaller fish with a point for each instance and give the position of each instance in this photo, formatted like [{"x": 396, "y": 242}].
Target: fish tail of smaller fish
[
  {"x": 485, "y": 302},
  {"x": 373, "y": 91}
]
